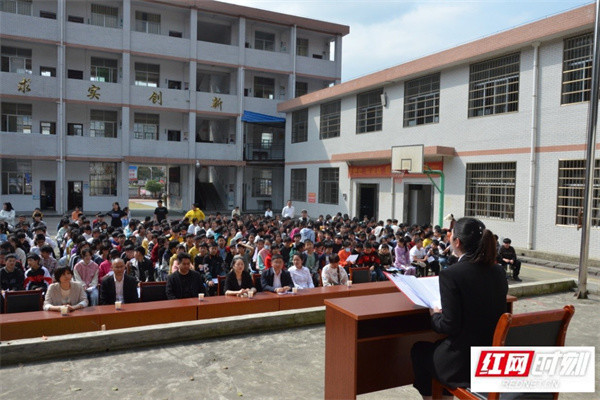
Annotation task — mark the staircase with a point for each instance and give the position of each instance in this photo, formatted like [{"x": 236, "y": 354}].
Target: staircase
[{"x": 207, "y": 197}]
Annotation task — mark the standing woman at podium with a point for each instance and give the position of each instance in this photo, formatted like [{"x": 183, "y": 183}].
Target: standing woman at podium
[{"x": 473, "y": 293}]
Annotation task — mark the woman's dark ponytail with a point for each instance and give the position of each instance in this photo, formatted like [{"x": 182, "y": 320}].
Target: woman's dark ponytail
[
  {"x": 486, "y": 251},
  {"x": 478, "y": 242}
]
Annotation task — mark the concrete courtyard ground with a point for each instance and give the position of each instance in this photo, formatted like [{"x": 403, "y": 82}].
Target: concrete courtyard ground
[{"x": 278, "y": 365}]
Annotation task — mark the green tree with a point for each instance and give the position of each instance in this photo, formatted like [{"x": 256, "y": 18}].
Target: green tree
[{"x": 153, "y": 186}]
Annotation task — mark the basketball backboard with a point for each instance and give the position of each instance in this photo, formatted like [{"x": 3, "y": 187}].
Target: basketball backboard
[{"x": 408, "y": 159}]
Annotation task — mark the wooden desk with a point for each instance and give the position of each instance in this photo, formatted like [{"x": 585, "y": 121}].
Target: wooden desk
[
  {"x": 47, "y": 323},
  {"x": 368, "y": 341},
  {"x": 227, "y": 306},
  {"x": 149, "y": 313}
]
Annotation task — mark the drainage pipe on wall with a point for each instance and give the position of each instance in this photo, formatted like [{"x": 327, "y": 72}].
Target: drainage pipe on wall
[{"x": 534, "y": 137}]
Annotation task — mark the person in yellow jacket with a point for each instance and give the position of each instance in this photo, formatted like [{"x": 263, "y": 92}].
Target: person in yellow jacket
[{"x": 195, "y": 212}]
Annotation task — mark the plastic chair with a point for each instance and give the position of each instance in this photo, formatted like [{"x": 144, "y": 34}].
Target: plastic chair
[
  {"x": 23, "y": 301},
  {"x": 153, "y": 291},
  {"x": 542, "y": 328}
]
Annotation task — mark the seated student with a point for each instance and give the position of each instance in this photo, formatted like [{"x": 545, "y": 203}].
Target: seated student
[
  {"x": 507, "y": 257},
  {"x": 238, "y": 281},
  {"x": 216, "y": 267},
  {"x": 433, "y": 255},
  {"x": 118, "y": 286},
  {"x": 473, "y": 294},
  {"x": 276, "y": 279},
  {"x": 65, "y": 292},
  {"x": 140, "y": 267},
  {"x": 370, "y": 258},
  {"x": 184, "y": 282},
  {"x": 333, "y": 274},
  {"x": 86, "y": 272},
  {"x": 300, "y": 274},
  {"x": 418, "y": 257},
  {"x": 11, "y": 277},
  {"x": 344, "y": 253},
  {"x": 36, "y": 277},
  {"x": 385, "y": 257}
]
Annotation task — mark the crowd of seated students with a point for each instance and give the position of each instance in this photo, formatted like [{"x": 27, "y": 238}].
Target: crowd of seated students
[{"x": 191, "y": 255}]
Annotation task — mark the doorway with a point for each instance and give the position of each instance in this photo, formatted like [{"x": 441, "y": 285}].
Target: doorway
[
  {"x": 48, "y": 195},
  {"x": 418, "y": 204},
  {"x": 75, "y": 196},
  {"x": 367, "y": 200}
]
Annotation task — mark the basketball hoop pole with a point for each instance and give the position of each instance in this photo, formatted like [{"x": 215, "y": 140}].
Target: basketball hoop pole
[{"x": 440, "y": 189}]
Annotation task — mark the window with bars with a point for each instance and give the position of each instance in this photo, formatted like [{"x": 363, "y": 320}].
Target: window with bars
[
  {"x": 302, "y": 47},
  {"x": 16, "y": 176},
  {"x": 369, "y": 111},
  {"x": 264, "y": 41},
  {"x": 330, "y": 120},
  {"x": 16, "y": 60},
  {"x": 494, "y": 86},
  {"x": 103, "y": 179},
  {"x": 48, "y": 128},
  {"x": 145, "y": 126},
  {"x": 103, "y": 70},
  {"x": 147, "y": 74},
  {"x": 301, "y": 88},
  {"x": 16, "y": 117},
  {"x": 103, "y": 123},
  {"x": 300, "y": 126},
  {"x": 262, "y": 183},
  {"x": 264, "y": 88},
  {"x": 577, "y": 69},
  {"x": 570, "y": 190},
  {"x": 147, "y": 22},
  {"x": 106, "y": 16},
  {"x": 74, "y": 129},
  {"x": 298, "y": 184},
  {"x": 329, "y": 182},
  {"x": 22, "y": 7},
  {"x": 490, "y": 190},
  {"x": 422, "y": 100}
]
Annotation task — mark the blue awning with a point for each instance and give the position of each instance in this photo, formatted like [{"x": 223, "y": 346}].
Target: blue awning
[{"x": 257, "y": 118}]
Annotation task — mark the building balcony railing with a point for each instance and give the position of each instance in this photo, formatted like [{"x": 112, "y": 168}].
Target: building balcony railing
[
  {"x": 168, "y": 45},
  {"x": 316, "y": 67},
  {"x": 36, "y": 28},
  {"x": 264, "y": 152}
]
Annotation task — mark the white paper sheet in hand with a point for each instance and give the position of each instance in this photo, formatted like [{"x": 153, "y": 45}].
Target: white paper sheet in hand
[
  {"x": 352, "y": 258},
  {"x": 424, "y": 292}
]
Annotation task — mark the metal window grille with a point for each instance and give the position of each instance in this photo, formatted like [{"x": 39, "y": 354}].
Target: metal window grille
[
  {"x": 145, "y": 126},
  {"x": 16, "y": 117},
  {"x": 300, "y": 126},
  {"x": 103, "y": 123},
  {"x": 262, "y": 183},
  {"x": 494, "y": 86},
  {"x": 103, "y": 179},
  {"x": 103, "y": 70},
  {"x": 147, "y": 22},
  {"x": 490, "y": 190},
  {"x": 329, "y": 181},
  {"x": 16, "y": 60},
  {"x": 16, "y": 176},
  {"x": 264, "y": 41},
  {"x": 106, "y": 16},
  {"x": 298, "y": 184},
  {"x": 570, "y": 190},
  {"x": 147, "y": 74},
  {"x": 422, "y": 100},
  {"x": 16, "y": 6},
  {"x": 369, "y": 111},
  {"x": 330, "y": 120},
  {"x": 577, "y": 69},
  {"x": 302, "y": 47}
]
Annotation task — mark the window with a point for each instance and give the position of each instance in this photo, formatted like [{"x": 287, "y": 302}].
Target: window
[
  {"x": 48, "y": 71},
  {"x": 300, "y": 126},
  {"x": 175, "y": 34},
  {"x": 16, "y": 60},
  {"x": 212, "y": 82},
  {"x": 103, "y": 179},
  {"x": 103, "y": 70},
  {"x": 302, "y": 47},
  {"x": 16, "y": 6},
  {"x": 16, "y": 117},
  {"x": 48, "y": 128},
  {"x": 145, "y": 126},
  {"x": 174, "y": 84},
  {"x": 490, "y": 190},
  {"x": 74, "y": 129},
  {"x": 494, "y": 86},
  {"x": 147, "y": 22},
  {"x": 577, "y": 69},
  {"x": 262, "y": 183},
  {"x": 301, "y": 88},
  {"x": 298, "y": 184},
  {"x": 103, "y": 123},
  {"x": 105, "y": 16},
  {"x": 571, "y": 186},
  {"x": 74, "y": 74},
  {"x": 214, "y": 32},
  {"x": 147, "y": 74},
  {"x": 48, "y": 14},
  {"x": 369, "y": 111},
  {"x": 16, "y": 176},
  {"x": 75, "y": 18},
  {"x": 330, "y": 120},
  {"x": 174, "y": 136},
  {"x": 422, "y": 100},
  {"x": 329, "y": 185},
  {"x": 264, "y": 41},
  {"x": 264, "y": 88}
]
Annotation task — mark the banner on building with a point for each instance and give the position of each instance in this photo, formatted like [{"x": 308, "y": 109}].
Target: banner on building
[
  {"x": 133, "y": 173},
  {"x": 385, "y": 170}
]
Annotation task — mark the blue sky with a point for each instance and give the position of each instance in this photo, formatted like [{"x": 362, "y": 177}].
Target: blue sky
[{"x": 384, "y": 33}]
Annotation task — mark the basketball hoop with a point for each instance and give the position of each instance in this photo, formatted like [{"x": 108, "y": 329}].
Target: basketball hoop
[{"x": 399, "y": 174}]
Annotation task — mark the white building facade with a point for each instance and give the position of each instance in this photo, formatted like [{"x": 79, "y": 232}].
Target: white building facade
[
  {"x": 503, "y": 117},
  {"x": 89, "y": 88}
]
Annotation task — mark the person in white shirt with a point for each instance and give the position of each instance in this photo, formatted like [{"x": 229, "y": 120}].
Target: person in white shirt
[
  {"x": 288, "y": 210},
  {"x": 418, "y": 256},
  {"x": 269, "y": 213},
  {"x": 300, "y": 274},
  {"x": 193, "y": 228},
  {"x": 333, "y": 274}
]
